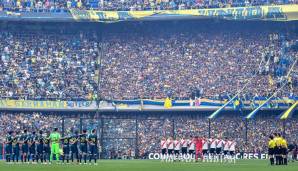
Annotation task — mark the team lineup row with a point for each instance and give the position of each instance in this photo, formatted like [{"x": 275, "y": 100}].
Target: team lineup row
[
  {"x": 46, "y": 147},
  {"x": 195, "y": 148}
]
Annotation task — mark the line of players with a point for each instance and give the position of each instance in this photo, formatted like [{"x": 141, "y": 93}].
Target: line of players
[
  {"x": 278, "y": 149},
  {"x": 207, "y": 149},
  {"x": 37, "y": 147}
]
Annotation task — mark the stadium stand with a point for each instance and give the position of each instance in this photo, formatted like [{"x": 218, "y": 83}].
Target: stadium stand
[
  {"x": 148, "y": 61},
  {"x": 153, "y": 66},
  {"x": 217, "y": 63},
  {"x": 129, "y": 5},
  {"x": 45, "y": 66}
]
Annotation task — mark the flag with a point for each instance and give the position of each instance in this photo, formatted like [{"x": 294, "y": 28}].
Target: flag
[
  {"x": 191, "y": 103},
  {"x": 197, "y": 102},
  {"x": 290, "y": 83},
  {"x": 289, "y": 112},
  {"x": 168, "y": 103},
  {"x": 236, "y": 104},
  {"x": 271, "y": 81}
]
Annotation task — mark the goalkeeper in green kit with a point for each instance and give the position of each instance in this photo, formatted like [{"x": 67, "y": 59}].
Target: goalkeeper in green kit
[{"x": 55, "y": 139}]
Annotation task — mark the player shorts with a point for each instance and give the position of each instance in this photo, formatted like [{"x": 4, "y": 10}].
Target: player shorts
[
  {"x": 205, "y": 152},
  {"x": 83, "y": 149},
  {"x": 276, "y": 150},
  {"x": 226, "y": 152},
  {"x": 93, "y": 149},
  {"x": 232, "y": 153},
  {"x": 74, "y": 149},
  {"x": 218, "y": 150},
  {"x": 184, "y": 150},
  {"x": 55, "y": 149},
  {"x": 32, "y": 149},
  {"x": 46, "y": 148},
  {"x": 16, "y": 151},
  {"x": 170, "y": 151},
  {"x": 40, "y": 148},
  {"x": 271, "y": 151},
  {"x": 8, "y": 149},
  {"x": 279, "y": 151},
  {"x": 176, "y": 152},
  {"x": 284, "y": 151},
  {"x": 163, "y": 151},
  {"x": 25, "y": 148},
  {"x": 66, "y": 150},
  {"x": 191, "y": 151},
  {"x": 212, "y": 150}
]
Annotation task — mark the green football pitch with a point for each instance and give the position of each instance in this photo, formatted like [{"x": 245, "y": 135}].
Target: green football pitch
[{"x": 150, "y": 165}]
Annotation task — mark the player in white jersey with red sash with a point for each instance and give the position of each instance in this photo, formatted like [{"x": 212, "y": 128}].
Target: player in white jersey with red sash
[
  {"x": 212, "y": 142},
  {"x": 163, "y": 146},
  {"x": 205, "y": 146},
  {"x": 219, "y": 146},
  {"x": 170, "y": 145},
  {"x": 232, "y": 151},
  {"x": 226, "y": 149},
  {"x": 184, "y": 145},
  {"x": 191, "y": 148},
  {"x": 177, "y": 147},
  {"x": 205, "y": 149}
]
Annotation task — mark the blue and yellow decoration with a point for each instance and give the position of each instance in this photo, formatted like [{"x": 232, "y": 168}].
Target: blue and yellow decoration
[
  {"x": 289, "y": 112},
  {"x": 275, "y": 13}
]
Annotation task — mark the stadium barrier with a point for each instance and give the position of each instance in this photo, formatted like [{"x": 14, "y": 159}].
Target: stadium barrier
[{"x": 143, "y": 104}]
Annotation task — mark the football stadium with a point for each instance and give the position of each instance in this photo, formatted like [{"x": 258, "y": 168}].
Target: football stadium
[{"x": 165, "y": 85}]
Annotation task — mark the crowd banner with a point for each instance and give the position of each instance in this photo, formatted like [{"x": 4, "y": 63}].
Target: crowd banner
[
  {"x": 142, "y": 104},
  {"x": 36, "y": 16},
  {"x": 274, "y": 12},
  {"x": 31, "y": 104}
]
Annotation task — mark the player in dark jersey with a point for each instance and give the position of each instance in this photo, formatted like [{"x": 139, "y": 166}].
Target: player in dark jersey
[
  {"x": 92, "y": 141},
  {"x": 25, "y": 147},
  {"x": 66, "y": 149},
  {"x": 8, "y": 146},
  {"x": 74, "y": 146},
  {"x": 15, "y": 147},
  {"x": 46, "y": 148},
  {"x": 83, "y": 146},
  {"x": 40, "y": 147},
  {"x": 32, "y": 147}
]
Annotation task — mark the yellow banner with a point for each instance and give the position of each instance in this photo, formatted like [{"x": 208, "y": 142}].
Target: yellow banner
[
  {"x": 31, "y": 104},
  {"x": 276, "y": 12}
]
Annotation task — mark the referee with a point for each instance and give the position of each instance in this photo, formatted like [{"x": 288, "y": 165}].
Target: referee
[
  {"x": 271, "y": 147},
  {"x": 278, "y": 151},
  {"x": 284, "y": 147}
]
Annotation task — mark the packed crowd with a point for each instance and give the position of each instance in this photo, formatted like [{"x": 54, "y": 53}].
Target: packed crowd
[
  {"x": 119, "y": 135},
  {"x": 48, "y": 66},
  {"x": 30, "y": 121},
  {"x": 154, "y": 66},
  {"x": 129, "y": 5},
  {"x": 161, "y": 64}
]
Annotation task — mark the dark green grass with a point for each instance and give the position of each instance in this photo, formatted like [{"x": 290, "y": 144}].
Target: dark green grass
[{"x": 151, "y": 165}]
